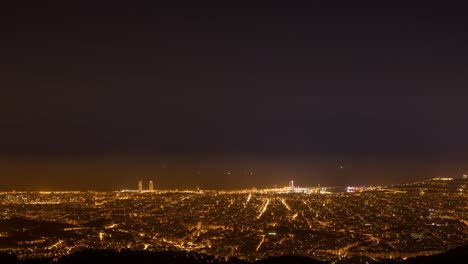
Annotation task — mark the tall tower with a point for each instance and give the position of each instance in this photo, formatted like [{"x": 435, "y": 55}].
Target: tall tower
[
  {"x": 140, "y": 186},
  {"x": 151, "y": 186},
  {"x": 291, "y": 184}
]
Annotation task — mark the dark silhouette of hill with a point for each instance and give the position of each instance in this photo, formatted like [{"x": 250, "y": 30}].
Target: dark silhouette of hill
[
  {"x": 7, "y": 258},
  {"x": 289, "y": 259},
  {"x": 456, "y": 255}
]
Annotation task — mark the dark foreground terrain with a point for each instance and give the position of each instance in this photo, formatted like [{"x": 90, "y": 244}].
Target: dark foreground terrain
[{"x": 456, "y": 255}]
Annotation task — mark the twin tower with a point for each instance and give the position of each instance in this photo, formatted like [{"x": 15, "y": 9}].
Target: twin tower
[{"x": 150, "y": 186}]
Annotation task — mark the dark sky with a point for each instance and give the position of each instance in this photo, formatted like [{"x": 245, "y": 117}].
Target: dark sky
[{"x": 98, "y": 96}]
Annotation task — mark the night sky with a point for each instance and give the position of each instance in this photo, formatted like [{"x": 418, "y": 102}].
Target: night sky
[{"x": 97, "y": 97}]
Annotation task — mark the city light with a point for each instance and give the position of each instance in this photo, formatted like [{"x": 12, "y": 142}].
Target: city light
[{"x": 341, "y": 222}]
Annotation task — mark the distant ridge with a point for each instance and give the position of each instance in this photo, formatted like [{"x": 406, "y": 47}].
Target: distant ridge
[{"x": 435, "y": 182}]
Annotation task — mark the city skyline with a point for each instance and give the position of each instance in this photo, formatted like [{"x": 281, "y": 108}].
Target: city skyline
[
  {"x": 94, "y": 174},
  {"x": 149, "y": 185}
]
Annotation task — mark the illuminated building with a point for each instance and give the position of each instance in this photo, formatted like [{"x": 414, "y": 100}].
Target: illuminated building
[
  {"x": 140, "y": 185},
  {"x": 151, "y": 186}
]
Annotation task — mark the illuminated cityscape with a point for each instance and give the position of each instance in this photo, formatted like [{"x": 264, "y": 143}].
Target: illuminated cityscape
[
  {"x": 368, "y": 223},
  {"x": 332, "y": 133}
]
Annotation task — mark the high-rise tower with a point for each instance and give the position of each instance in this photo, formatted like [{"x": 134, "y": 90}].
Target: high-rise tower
[
  {"x": 151, "y": 186},
  {"x": 140, "y": 186}
]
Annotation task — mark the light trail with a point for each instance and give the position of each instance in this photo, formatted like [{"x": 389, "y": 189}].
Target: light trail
[
  {"x": 248, "y": 198},
  {"x": 285, "y": 204},
  {"x": 308, "y": 205},
  {"x": 264, "y": 208},
  {"x": 111, "y": 226},
  {"x": 55, "y": 245},
  {"x": 260, "y": 244},
  {"x": 294, "y": 216},
  {"x": 70, "y": 250}
]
